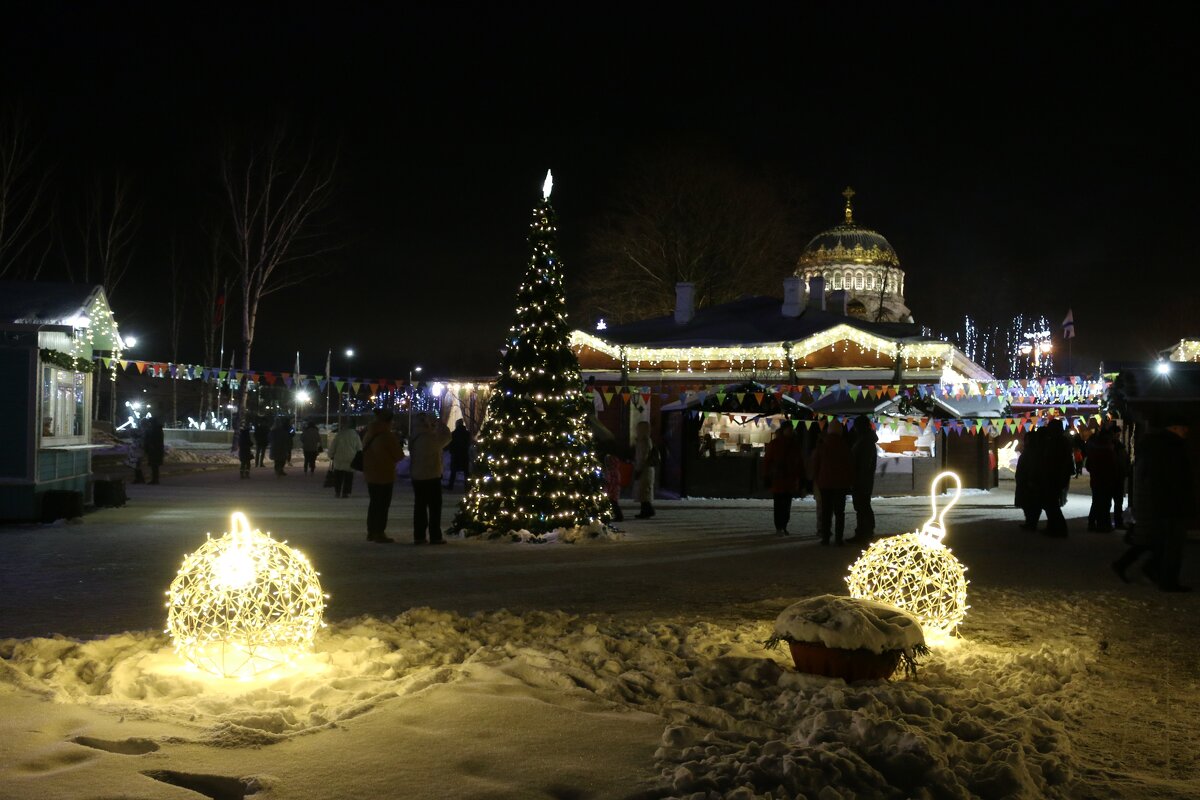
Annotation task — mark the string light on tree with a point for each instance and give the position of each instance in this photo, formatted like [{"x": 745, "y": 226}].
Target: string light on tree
[
  {"x": 916, "y": 572},
  {"x": 538, "y": 468},
  {"x": 244, "y": 604}
]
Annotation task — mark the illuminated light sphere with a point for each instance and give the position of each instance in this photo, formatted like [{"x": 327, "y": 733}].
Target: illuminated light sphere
[
  {"x": 916, "y": 572},
  {"x": 244, "y": 604}
]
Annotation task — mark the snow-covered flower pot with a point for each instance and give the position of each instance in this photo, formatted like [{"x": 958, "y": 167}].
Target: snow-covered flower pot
[
  {"x": 850, "y": 638},
  {"x": 849, "y": 665}
]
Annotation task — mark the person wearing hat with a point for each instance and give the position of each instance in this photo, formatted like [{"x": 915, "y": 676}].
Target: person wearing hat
[{"x": 381, "y": 453}]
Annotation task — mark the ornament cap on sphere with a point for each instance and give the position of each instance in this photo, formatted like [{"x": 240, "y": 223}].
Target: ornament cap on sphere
[{"x": 916, "y": 572}]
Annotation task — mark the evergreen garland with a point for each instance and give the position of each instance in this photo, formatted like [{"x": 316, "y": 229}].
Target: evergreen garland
[
  {"x": 538, "y": 469},
  {"x": 66, "y": 361}
]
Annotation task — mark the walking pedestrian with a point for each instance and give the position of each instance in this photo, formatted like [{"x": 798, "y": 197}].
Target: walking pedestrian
[
  {"x": 1054, "y": 468},
  {"x": 460, "y": 453},
  {"x": 1025, "y": 495},
  {"x": 429, "y": 438},
  {"x": 864, "y": 455},
  {"x": 1164, "y": 503},
  {"x": 281, "y": 445},
  {"x": 783, "y": 471},
  {"x": 645, "y": 461},
  {"x": 245, "y": 450},
  {"x": 154, "y": 446},
  {"x": 262, "y": 440},
  {"x": 310, "y": 443},
  {"x": 1121, "y": 458},
  {"x": 381, "y": 453},
  {"x": 1101, "y": 463},
  {"x": 833, "y": 470},
  {"x": 342, "y": 450}
]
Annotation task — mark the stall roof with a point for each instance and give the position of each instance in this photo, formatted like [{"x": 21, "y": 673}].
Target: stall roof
[{"x": 58, "y": 306}]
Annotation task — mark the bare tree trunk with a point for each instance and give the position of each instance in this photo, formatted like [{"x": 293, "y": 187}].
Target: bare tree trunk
[
  {"x": 274, "y": 194},
  {"x": 176, "y": 327}
]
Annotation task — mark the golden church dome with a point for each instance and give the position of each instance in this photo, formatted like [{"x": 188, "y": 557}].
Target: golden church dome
[{"x": 848, "y": 243}]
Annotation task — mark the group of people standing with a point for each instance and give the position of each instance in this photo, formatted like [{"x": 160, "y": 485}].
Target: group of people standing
[
  {"x": 276, "y": 439},
  {"x": 1162, "y": 500},
  {"x": 382, "y": 449},
  {"x": 1043, "y": 475},
  {"x": 835, "y": 464}
]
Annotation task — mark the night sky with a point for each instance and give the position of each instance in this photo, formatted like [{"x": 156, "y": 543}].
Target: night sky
[{"x": 1017, "y": 156}]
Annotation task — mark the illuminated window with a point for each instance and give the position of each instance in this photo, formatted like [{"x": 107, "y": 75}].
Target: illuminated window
[
  {"x": 858, "y": 281},
  {"x": 64, "y": 405}
]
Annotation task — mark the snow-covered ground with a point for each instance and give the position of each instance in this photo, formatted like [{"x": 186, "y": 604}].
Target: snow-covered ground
[{"x": 631, "y": 667}]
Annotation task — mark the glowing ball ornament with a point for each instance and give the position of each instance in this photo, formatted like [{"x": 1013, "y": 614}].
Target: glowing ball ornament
[
  {"x": 916, "y": 572},
  {"x": 244, "y": 604}
]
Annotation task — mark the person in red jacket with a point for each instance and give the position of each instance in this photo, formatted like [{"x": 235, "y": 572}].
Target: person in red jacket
[
  {"x": 833, "y": 478},
  {"x": 783, "y": 473}
]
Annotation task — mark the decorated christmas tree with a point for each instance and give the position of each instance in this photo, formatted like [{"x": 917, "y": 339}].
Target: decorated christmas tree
[{"x": 537, "y": 467}]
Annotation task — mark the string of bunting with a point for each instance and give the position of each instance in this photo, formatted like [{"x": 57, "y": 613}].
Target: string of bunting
[
  {"x": 1057, "y": 395},
  {"x": 1061, "y": 392},
  {"x": 232, "y": 378}
]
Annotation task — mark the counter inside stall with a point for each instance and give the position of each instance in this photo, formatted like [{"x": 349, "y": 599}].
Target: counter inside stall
[{"x": 727, "y": 462}]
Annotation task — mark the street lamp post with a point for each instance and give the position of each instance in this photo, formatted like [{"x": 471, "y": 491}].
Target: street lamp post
[
  {"x": 329, "y": 382},
  {"x": 412, "y": 393}
]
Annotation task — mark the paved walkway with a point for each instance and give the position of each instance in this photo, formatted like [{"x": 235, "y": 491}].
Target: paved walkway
[{"x": 109, "y": 571}]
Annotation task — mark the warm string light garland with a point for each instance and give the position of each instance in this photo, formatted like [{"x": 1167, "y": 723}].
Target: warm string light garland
[
  {"x": 244, "y": 604},
  {"x": 916, "y": 572}
]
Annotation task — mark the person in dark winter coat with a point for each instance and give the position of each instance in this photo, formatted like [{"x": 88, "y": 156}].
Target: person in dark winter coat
[
  {"x": 1025, "y": 496},
  {"x": 245, "y": 450},
  {"x": 1121, "y": 458},
  {"x": 310, "y": 443},
  {"x": 783, "y": 473},
  {"x": 281, "y": 445},
  {"x": 833, "y": 475},
  {"x": 460, "y": 453},
  {"x": 154, "y": 447},
  {"x": 1054, "y": 468},
  {"x": 863, "y": 453},
  {"x": 1164, "y": 503},
  {"x": 262, "y": 440},
  {"x": 1101, "y": 462}
]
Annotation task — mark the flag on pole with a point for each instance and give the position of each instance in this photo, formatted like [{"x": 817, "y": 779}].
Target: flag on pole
[{"x": 1068, "y": 326}]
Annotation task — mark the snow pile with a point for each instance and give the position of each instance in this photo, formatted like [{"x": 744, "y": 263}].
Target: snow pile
[
  {"x": 594, "y": 532},
  {"x": 738, "y": 721},
  {"x": 179, "y": 452},
  {"x": 850, "y": 624}
]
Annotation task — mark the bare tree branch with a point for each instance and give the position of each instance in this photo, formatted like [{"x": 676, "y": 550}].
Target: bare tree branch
[
  {"x": 688, "y": 215},
  {"x": 274, "y": 196},
  {"x": 23, "y": 190}
]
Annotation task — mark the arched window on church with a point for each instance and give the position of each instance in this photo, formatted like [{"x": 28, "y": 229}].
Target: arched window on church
[
  {"x": 870, "y": 280},
  {"x": 858, "y": 281}
]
